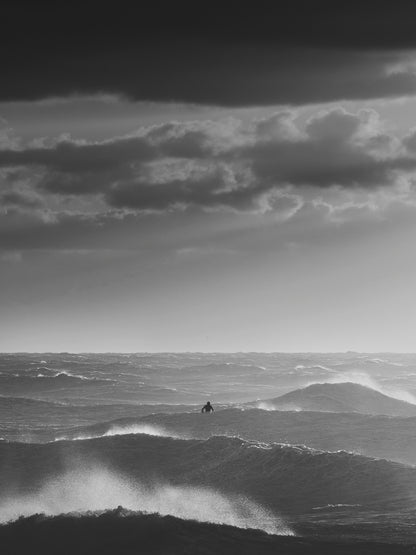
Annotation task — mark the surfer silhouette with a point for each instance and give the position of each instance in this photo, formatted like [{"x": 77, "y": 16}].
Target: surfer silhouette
[{"x": 207, "y": 408}]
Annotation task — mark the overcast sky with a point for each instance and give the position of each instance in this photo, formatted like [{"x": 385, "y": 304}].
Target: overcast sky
[{"x": 187, "y": 177}]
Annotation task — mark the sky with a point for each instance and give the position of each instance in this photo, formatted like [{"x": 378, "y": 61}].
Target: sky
[{"x": 208, "y": 177}]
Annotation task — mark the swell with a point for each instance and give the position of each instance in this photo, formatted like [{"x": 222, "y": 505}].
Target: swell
[
  {"x": 374, "y": 436},
  {"x": 36, "y": 420},
  {"x": 282, "y": 477},
  {"x": 341, "y": 396}
]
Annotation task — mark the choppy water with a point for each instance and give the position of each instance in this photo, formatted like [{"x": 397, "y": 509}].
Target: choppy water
[{"x": 94, "y": 432}]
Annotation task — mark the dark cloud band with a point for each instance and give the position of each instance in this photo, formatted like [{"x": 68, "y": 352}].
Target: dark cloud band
[{"x": 276, "y": 53}]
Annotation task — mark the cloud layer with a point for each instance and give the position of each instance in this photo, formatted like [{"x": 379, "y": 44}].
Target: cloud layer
[
  {"x": 223, "y": 163},
  {"x": 336, "y": 160}
]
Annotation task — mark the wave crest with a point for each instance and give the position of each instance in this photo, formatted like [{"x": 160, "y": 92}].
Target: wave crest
[{"x": 120, "y": 430}]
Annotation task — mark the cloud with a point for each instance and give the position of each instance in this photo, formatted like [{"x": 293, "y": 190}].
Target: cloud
[
  {"x": 7, "y": 138},
  {"x": 80, "y": 156},
  {"x": 220, "y": 164},
  {"x": 337, "y": 149},
  {"x": 217, "y": 76},
  {"x": 338, "y": 164},
  {"x": 18, "y": 199},
  {"x": 10, "y": 257},
  {"x": 293, "y": 54}
]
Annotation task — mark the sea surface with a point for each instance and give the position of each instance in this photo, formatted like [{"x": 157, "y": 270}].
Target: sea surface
[{"x": 306, "y": 453}]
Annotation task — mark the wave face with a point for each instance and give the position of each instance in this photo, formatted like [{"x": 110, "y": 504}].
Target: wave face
[
  {"x": 373, "y": 436},
  {"x": 36, "y": 420},
  {"x": 340, "y": 397},
  {"x": 284, "y": 478}
]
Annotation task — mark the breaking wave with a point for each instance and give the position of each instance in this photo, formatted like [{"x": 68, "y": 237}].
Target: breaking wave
[
  {"x": 279, "y": 476},
  {"x": 98, "y": 489},
  {"x": 119, "y": 430},
  {"x": 269, "y": 406},
  {"x": 44, "y": 378},
  {"x": 340, "y": 396},
  {"x": 361, "y": 378},
  {"x": 46, "y": 372}
]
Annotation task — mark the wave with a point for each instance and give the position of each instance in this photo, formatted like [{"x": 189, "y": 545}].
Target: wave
[
  {"x": 230, "y": 368},
  {"x": 35, "y": 380},
  {"x": 46, "y": 372},
  {"x": 271, "y": 405},
  {"x": 280, "y": 477},
  {"x": 115, "y": 429},
  {"x": 374, "y": 436},
  {"x": 340, "y": 396},
  {"x": 362, "y": 378},
  {"x": 331, "y": 506},
  {"x": 7, "y": 401},
  {"x": 97, "y": 489},
  {"x": 384, "y": 361},
  {"x": 34, "y": 420},
  {"x": 122, "y": 531},
  {"x": 315, "y": 367}
]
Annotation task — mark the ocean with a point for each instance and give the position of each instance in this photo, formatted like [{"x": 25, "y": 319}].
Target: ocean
[{"x": 304, "y": 453}]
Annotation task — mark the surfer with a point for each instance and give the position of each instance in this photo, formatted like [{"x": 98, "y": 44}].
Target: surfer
[{"x": 207, "y": 408}]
